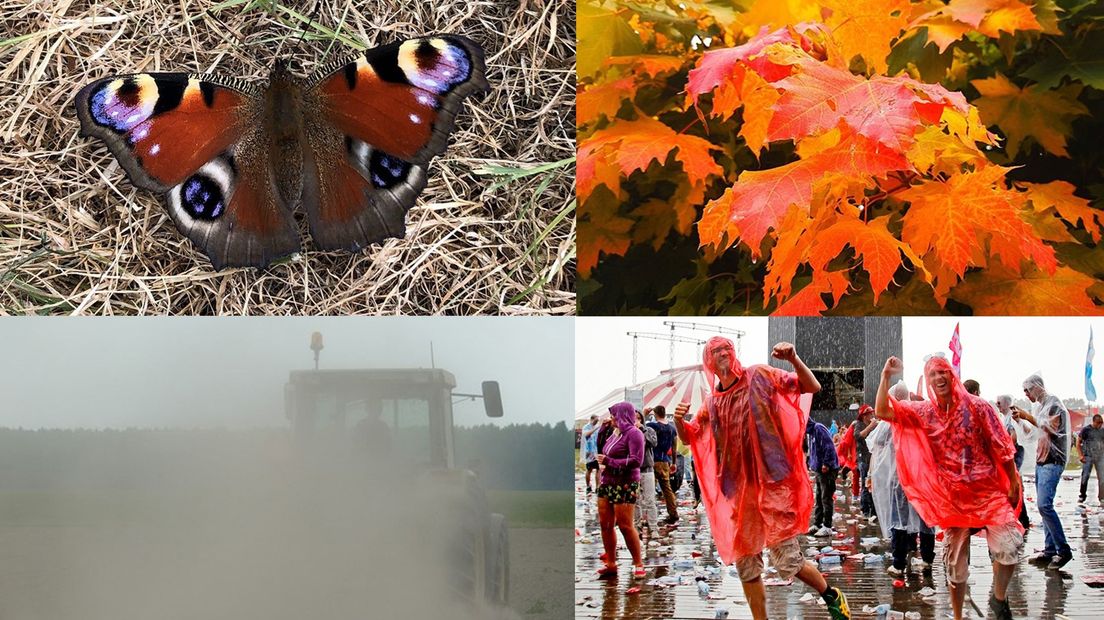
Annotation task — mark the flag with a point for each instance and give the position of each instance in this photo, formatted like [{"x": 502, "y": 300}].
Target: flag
[
  {"x": 956, "y": 352},
  {"x": 1090, "y": 391}
]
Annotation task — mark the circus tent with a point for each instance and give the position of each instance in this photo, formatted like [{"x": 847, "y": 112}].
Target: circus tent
[{"x": 669, "y": 388}]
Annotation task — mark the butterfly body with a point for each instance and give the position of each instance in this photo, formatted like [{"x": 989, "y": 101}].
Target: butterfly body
[{"x": 349, "y": 146}]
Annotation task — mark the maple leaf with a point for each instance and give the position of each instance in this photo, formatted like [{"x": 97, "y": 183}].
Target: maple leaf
[
  {"x": 1046, "y": 116},
  {"x": 601, "y": 230},
  {"x": 959, "y": 223},
  {"x": 1008, "y": 16},
  {"x": 866, "y": 27},
  {"x": 651, "y": 65},
  {"x": 790, "y": 251},
  {"x": 642, "y": 141},
  {"x": 938, "y": 151},
  {"x": 953, "y": 21},
  {"x": 1059, "y": 195},
  {"x": 625, "y": 147},
  {"x": 818, "y": 97},
  {"x": 880, "y": 251},
  {"x": 726, "y": 67},
  {"x": 760, "y": 199},
  {"x": 603, "y": 99},
  {"x": 593, "y": 168},
  {"x": 1033, "y": 292},
  {"x": 655, "y": 219},
  {"x": 602, "y": 33},
  {"x": 809, "y": 301},
  {"x": 777, "y": 13}
]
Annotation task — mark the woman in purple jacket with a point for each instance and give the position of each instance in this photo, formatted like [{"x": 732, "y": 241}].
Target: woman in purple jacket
[{"x": 620, "y": 458}]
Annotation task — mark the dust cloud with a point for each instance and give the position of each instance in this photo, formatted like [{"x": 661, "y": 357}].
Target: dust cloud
[{"x": 243, "y": 530}]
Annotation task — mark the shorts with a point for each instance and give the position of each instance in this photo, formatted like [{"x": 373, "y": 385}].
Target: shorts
[
  {"x": 1004, "y": 544},
  {"x": 592, "y": 465},
  {"x": 619, "y": 493},
  {"x": 785, "y": 557}
]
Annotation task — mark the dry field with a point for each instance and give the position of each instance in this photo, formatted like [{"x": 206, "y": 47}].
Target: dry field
[{"x": 493, "y": 233}]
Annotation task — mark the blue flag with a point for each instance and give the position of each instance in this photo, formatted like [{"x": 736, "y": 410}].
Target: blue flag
[{"x": 1090, "y": 391}]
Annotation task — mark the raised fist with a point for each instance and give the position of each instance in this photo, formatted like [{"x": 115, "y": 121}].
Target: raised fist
[
  {"x": 785, "y": 352},
  {"x": 893, "y": 366}
]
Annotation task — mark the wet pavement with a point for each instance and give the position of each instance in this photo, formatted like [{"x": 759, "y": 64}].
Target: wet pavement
[{"x": 676, "y": 562}]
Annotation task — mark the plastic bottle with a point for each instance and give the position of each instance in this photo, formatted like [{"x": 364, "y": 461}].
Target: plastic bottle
[
  {"x": 721, "y": 613},
  {"x": 703, "y": 589},
  {"x": 830, "y": 559}
]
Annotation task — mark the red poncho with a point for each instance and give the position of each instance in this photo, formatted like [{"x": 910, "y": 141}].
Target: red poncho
[
  {"x": 950, "y": 460},
  {"x": 746, "y": 443},
  {"x": 847, "y": 450}
]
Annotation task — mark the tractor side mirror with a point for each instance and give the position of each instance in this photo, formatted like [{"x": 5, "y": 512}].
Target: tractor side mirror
[{"x": 492, "y": 399}]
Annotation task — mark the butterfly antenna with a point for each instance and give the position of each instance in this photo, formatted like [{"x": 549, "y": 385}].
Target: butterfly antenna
[{"x": 310, "y": 22}]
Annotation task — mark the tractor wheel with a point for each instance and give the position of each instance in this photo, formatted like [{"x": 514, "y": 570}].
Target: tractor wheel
[{"x": 498, "y": 561}]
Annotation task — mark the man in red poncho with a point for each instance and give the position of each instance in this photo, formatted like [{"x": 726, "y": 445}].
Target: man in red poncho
[
  {"x": 747, "y": 446},
  {"x": 956, "y": 464}
]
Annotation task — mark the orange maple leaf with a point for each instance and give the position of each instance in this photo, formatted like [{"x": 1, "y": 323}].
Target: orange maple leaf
[
  {"x": 760, "y": 199},
  {"x": 961, "y": 222},
  {"x": 625, "y": 147},
  {"x": 1008, "y": 16},
  {"x": 1034, "y": 292},
  {"x": 809, "y": 301},
  {"x": 603, "y": 99},
  {"x": 867, "y": 27},
  {"x": 651, "y": 65},
  {"x": 880, "y": 251},
  {"x": 1059, "y": 195},
  {"x": 642, "y": 141},
  {"x": 1045, "y": 115}
]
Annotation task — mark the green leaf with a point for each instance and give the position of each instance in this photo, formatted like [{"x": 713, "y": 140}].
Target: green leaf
[{"x": 602, "y": 33}]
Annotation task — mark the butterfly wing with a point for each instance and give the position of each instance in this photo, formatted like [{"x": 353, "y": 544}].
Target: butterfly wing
[
  {"x": 381, "y": 117},
  {"x": 194, "y": 139}
]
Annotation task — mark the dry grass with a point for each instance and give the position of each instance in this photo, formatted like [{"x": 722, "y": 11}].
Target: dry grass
[{"x": 489, "y": 235}]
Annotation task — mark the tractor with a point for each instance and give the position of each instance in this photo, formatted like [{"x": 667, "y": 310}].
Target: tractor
[{"x": 403, "y": 418}]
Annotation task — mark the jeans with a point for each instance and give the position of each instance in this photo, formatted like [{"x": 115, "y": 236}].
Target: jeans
[
  {"x": 1086, "y": 471},
  {"x": 904, "y": 543},
  {"x": 1046, "y": 483},
  {"x": 825, "y": 494},
  {"x": 866, "y": 500}
]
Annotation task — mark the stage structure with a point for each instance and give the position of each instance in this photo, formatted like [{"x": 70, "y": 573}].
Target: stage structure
[{"x": 845, "y": 353}]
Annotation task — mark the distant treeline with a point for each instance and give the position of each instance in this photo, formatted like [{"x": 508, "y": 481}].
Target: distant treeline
[{"x": 515, "y": 457}]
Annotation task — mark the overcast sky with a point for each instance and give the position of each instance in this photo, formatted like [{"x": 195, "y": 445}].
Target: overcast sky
[
  {"x": 998, "y": 352},
  {"x": 206, "y": 372}
]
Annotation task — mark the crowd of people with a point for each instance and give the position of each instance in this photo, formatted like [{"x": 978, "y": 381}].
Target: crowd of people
[{"x": 947, "y": 460}]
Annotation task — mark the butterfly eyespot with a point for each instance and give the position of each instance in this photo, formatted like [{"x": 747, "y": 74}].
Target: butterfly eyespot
[
  {"x": 205, "y": 194},
  {"x": 124, "y": 103},
  {"x": 202, "y": 198},
  {"x": 387, "y": 171}
]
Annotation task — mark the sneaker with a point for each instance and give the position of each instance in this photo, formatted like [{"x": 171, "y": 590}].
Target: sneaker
[
  {"x": 873, "y": 518},
  {"x": 1000, "y": 609},
  {"x": 813, "y": 530},
  {"x": 1059, "y": 561},
  {"x": 1043, "y": 558},
  {"x": 823, "y": 532},
  {"x": 590, "y": 491},
  {"x": 672, "y": 521},
  {"x": 894, "y": 571},
  {"x": 838, "y": 608}
]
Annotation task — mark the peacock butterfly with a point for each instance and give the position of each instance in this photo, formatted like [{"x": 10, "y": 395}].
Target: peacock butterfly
[{"x": 351, "y": 144}]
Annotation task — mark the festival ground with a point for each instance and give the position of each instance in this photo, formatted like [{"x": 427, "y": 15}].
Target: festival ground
[{"x": 1034, "y": 593}]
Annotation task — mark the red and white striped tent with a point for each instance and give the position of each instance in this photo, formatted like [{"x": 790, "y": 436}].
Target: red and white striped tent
[{"x": 671, "y": 387}]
